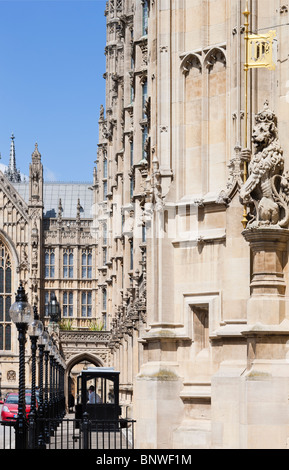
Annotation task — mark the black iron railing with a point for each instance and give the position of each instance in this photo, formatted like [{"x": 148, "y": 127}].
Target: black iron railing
[{"x": 72, "y": 434}]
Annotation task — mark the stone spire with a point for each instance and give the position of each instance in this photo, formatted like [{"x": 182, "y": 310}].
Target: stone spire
[{"x": 12, "y": 173}]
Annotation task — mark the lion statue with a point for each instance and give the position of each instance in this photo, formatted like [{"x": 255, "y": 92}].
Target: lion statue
[{"x": 261, "y": 191}]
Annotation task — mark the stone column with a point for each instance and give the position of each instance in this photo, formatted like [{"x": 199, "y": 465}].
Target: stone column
[
  {"x": 267, "y": 303},
  {"x": 264, "y": 386}
]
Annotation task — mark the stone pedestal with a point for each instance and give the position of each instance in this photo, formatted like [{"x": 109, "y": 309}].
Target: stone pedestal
[
  {"x": 264, "y": 386},
  {"x": 250, "y": 396},
  {"x": 267, "y": 303}
]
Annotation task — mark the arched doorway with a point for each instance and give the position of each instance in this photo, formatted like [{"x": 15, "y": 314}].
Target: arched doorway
[{"x": 73, "y": 369}]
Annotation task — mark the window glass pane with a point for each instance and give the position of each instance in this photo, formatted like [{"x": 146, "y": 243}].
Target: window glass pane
[
  {"x": 47, "y": 299},
  {"x": 105, "y": 168},
  {"x": 131, "y": 255},
  {"x": 104, "y": 233},
  {"x": 83, "y": 304},
  {"x": 144, "y": 233},
  {"x": 8, "y": 281},
  {"x": 1, "y": 280},
  {"x": 7, "y": 308},
  {"x": 8, "y": 337},
  {"x": 65, "y": 272},
  {"x": 5, "y": 298},
  {"x": 1, "y": 308},
  {"x": 104, "y": 189},
  {"x": 131, "y": 154},
  {"x": 49, "y": 263},
  {"x": 145, "y": 18}
]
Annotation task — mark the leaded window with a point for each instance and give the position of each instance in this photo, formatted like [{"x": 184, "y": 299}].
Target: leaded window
[
  {"x": 105, "y": 167},
  {"x": 86, "y": 304},
  {"x": 131, "y": 255},
  {"x": 104, "y": 232},
  {"x": 145, "y": 17},
  {"x": 5, "y": 298},
  {"x": 144, "y": 97},
  {"x": 49, "y": 263},
  {"x": 86, "y": 264},
  {"x": 67, "y": 304},
  {"x": 104, "y": 300},
  {"x": 68, "y": 263},
  {"x": 115, "y": 6},
  {"x": 105, "y": 190},
  {"x": 144, "y": 142}
]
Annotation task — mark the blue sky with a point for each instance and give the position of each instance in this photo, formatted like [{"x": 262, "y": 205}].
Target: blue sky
[{"x": 51, "y": 83}]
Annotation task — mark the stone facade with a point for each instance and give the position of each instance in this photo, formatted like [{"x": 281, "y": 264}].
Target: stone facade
[
  {"x": 47, "y": 242},
  {"x": 196, "y": 303},
  {"x": 197, "y": 306}
]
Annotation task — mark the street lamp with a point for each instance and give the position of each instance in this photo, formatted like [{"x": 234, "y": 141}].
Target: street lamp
[
  {"x": 47, "y": 349},
  {"x": 54, "y": 309},
  {"x": 35, "y": 330},
  {"x": 42, "y": 342},
  {"x": 21, "y": 315}
]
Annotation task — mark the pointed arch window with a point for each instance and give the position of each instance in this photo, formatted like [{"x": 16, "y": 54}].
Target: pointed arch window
[{"x": 5, "y": 298}]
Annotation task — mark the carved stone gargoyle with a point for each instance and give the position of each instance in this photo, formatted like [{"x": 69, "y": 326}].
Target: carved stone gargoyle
[{"x": 266, "y": 191}]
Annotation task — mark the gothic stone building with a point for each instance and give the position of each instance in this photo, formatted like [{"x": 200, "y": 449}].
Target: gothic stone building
[
  {"x": 47, "y": 243},
  {"x": 189, "y": 230},
  {"x": 197, "y": 305}
]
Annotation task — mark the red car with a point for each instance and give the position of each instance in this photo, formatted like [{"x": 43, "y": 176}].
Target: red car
[{"x": 10, "y": 407}]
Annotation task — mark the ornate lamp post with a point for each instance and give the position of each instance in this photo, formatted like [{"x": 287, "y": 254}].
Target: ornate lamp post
[
  {"x": 52, "y": 388},
  {"x": 47, "y": 348},
  {"x": 21, "y": 315},
  {"x": 35, "y": 330},
  {"x": 54, "y": 314},
  {"x": 43, "y": 340}
]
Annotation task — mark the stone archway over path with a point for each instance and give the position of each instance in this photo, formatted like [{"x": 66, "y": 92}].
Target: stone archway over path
[{"x": 78, "y": 346}]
